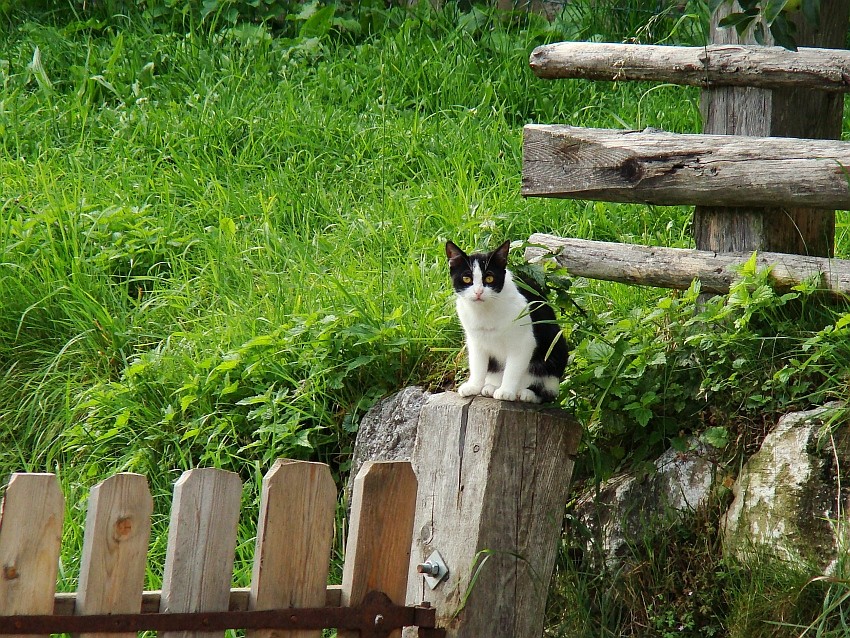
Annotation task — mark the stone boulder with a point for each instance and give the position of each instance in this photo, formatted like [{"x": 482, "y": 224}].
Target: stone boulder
[
  {"x": 790, "y": 493},
  {"x": 628, "y": 504},
  {"x": 388, "y": 431}
]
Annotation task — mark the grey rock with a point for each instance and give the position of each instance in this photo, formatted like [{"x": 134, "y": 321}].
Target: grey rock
[
  {"x": 388, "y": 431},
  {"x": 627, "y": 505},
  {"x": 789, "y": 495}
]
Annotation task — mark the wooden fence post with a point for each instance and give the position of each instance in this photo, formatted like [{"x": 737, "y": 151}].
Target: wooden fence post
[
  {"x": 115, "y": 545},
  {"x": 294, "y": 538},
  {"x": 777, "y": 113},
  {"x": 201, "y": 545},
  {"x": 493, "y": 484},
  {"x": 30, "y": 540},
  {"x": 377, "y": 554}
]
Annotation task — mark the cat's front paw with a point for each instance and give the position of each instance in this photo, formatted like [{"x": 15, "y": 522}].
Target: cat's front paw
[
  {"x": 504, "y": 395},
  {"x": 488, "y": 390},
  {"x": 529, "y": 396},
  {"x": 469, "y": 389}
]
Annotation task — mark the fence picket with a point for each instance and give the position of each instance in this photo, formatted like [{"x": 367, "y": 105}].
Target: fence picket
[
  {"x": 115, "y": 543},
  {"x": 294, "y": 538},
  {"x": 30, "y": 539},
  {"x": 377, "y": 555},
  {"x": 201, "y": 545}
]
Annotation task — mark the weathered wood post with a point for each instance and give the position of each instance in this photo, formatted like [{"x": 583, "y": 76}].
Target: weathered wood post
[
  {"x": 493, "y": 484},
  {"x": 776, "y": 113}
]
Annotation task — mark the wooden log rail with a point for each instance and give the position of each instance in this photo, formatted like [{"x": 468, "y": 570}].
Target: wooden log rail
[
  {"x": 291, "y": 560},
  {"x": 677, "y": 267},
  {"x": 709, "y": 66},
  {"x": 655, "y": 167}
]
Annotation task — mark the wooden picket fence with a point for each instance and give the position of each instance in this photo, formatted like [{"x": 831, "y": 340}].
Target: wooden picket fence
[{"x": 288, "y": 595}]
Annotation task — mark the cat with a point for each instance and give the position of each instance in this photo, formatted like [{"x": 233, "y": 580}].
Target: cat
[{"x": 516, "y": 349}]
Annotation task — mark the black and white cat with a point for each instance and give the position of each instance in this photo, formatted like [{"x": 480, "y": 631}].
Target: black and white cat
[{"x": 510, "y": 330}]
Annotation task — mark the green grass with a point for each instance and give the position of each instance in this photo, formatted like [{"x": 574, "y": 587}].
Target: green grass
[{"x": 219, "y": 246}]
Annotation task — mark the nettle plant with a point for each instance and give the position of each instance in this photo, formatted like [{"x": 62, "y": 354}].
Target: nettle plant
[{"x": 690, "y": 369}]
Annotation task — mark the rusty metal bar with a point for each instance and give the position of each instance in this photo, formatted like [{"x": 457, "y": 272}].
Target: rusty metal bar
[{"x": 376, "y": 616}]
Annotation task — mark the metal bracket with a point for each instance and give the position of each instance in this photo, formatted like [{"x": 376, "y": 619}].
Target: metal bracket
[{"x": 434, "y": 569}]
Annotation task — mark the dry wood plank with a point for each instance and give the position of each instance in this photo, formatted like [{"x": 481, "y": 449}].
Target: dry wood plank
[
  {"x": 678, "y": 267},
  {"x": 377, "y": 554},
  {"x": 30, "y": 540},
  {"x": 713, "y": 65},
  {"x": 115, "y": 544},
  {"x": 494, "y": 480},
  {"x": 784, "y": 112},
  {"x": 201, "y": 544},
  {"x": 294, "y": 539},
  {"x": 668, "y": 168}
]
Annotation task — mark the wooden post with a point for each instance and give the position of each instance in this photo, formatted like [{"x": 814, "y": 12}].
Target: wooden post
[
  {"x": 115, "y": 545},
  {"x": 201, "y": 545},
  {"x": 783, "y": 113},
  {"x": 493, "y": 484},
  {"x": 294, "y": 539},
  {"x": 30, "y": 538},
  {"x": 383, "y": 503}
]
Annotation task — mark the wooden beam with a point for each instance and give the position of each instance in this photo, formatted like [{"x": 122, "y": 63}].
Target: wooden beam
[
  {"x": 668, "y": 168},
  {"x": 678, "y": 267},
  {"x": 713, "y": 65}
]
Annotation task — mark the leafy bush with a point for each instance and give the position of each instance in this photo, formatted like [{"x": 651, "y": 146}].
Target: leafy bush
[{"x": 717, "y": 367}]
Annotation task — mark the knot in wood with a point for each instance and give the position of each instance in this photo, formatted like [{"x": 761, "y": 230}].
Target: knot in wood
[
  {"x": 631, "y": 170},
  {"x": 123, "y": 528},
  {"x": 10, "y": 572}
]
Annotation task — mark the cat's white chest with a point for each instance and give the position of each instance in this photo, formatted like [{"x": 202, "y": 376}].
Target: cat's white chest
[{"x": 499, "y": 316}]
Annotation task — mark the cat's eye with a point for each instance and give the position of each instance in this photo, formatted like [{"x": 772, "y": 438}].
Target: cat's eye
[
  {"x": 489, "y": 279},
  {"x": 467, "y": 280}
]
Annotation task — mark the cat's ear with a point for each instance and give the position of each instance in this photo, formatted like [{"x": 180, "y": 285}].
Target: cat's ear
[
  {"x": 454, "y": 253},
  {"x": 500, "y": 255}
]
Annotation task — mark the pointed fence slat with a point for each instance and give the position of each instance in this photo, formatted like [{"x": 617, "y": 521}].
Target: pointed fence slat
[
  {"x": 30, "y": 540},
  {"x": 115, "y": 543},
  {"x": 294, "y": 539},
  {"x": 201, "y": 545},
  {"x": 377, "y": 555}
]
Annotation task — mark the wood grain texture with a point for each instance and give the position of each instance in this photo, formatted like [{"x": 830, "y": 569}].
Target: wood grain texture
[
  {"x": 784, "y": 112},
  {"x": 678, "y": 267},
  {"x": 377, "y": 553},
  {"x": 668, "y": 168},
  {"x": 294, "y": 539},
  {"x": 713, "y": 65},
  {"x": 493, "y": 484},
  {"x": 115, "y": 544},
  {"x": 201, "y": 544},
  {"x": 30, "y": 539}
]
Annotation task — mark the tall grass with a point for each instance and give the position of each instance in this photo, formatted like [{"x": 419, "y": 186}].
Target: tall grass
[{"x": 222, "y": 244}]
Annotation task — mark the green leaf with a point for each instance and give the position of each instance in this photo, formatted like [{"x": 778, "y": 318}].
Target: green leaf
[
  {"x": 783, "y": 31},
  {"x": 770, "y": 10},
  {"x": 811, "y": 12},
  {"x": 716, "y": 437},
  {"x": 758, "y": 33},
  {"x": 318, "y": 24}
]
